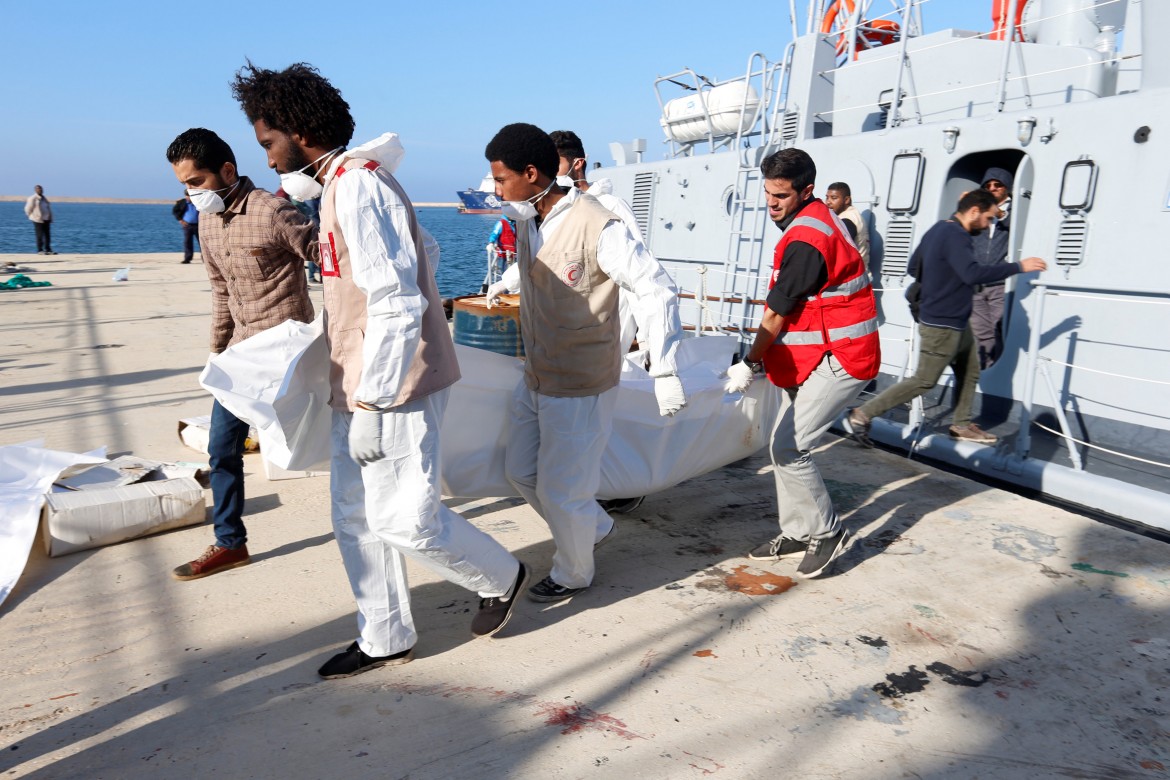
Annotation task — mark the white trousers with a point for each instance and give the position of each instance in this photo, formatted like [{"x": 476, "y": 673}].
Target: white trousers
[
  {"x": 806, "y": 412},
  {"x": 391, "y": 508},
  {"x": 554, "y": 459}
]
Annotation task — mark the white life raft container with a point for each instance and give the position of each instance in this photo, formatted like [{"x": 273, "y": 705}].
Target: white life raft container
[{"x": 732, "y": 108}]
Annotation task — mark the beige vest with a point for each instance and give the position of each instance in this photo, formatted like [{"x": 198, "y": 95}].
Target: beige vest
[
  {"x": 569, "y": 307},
  {"x": 434, "y": 365}
]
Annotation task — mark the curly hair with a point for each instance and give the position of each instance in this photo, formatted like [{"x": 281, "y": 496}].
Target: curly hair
[
  {"x": 519, "y": 145},
  {"x": 296, "y": 100},
  {"x": 208, "y": 151},
  {"x": 792, "y": 164}
]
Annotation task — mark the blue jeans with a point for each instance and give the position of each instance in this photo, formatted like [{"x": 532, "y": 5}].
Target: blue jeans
[{"x": 226, "y": 449}]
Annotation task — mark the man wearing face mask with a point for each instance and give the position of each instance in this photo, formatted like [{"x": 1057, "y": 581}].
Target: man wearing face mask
[
  {"x": 393, "y": 366},
  {"x": 254, "y": 246},
  {"x": 573, "y": 256}
]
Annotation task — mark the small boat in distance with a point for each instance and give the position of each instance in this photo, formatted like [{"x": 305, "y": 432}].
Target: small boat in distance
[{"x": 480, "y": 201}]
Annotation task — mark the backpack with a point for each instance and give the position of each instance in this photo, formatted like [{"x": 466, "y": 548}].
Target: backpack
[
  {"x": 179, "y": 209},
  {"x": 914, "y": 292}
]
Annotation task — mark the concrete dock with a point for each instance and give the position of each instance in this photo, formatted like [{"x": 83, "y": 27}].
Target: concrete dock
[{"x": 968, "y": 633}]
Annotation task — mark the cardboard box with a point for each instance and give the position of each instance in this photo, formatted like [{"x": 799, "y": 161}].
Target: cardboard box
[
  {"x": 195, "y": 432},
  {"x": 81, "y": 519}
]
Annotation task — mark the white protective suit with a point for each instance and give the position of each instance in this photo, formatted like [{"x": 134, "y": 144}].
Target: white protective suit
[
  {"x": 392, "y": 507},
  {"x": 555, "y": 444},
  {"x": 628, "y": 313}
]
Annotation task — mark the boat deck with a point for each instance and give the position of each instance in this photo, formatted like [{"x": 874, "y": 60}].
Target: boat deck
[{"x": 969, "y": 632}]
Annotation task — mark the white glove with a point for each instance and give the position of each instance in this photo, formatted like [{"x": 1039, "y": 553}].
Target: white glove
[
  {"x": 669, "y": 392},
  {"x": 494, "y": 291},
  {"x": 365, "y": 436},
  {"x": 739, "y": 378}
]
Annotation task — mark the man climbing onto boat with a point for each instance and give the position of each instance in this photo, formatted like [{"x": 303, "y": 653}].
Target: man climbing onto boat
[
  {"x": 393, "y": 363},
  {"x": 817, "y": 341},
  {"x": 945, "y": 265},
  {"x": 573, "y": 255}
]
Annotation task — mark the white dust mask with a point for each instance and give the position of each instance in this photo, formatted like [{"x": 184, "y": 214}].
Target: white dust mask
[
  {"x": 299, "y": 185},
  {"x": 209, "y": 201},
  {"x": 524, "y": 210},
  {"x": 565, "y": 180}
]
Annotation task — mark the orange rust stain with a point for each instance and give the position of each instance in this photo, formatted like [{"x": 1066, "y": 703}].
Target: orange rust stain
[
  {"x": 763, "y": 584},
  {"x": 1150, "y": 764},
  {"x": 704, "y": 654}
]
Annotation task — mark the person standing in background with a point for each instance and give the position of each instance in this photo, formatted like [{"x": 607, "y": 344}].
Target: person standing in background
[
  {"x": 41, "y": 213},
  {"x": 991, "y": 248},
  {"x": 188, "y": 216},
  {"x": 839, "y": 198}
]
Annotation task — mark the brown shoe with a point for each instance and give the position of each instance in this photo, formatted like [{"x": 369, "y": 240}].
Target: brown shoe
[
  {"x": 214, "y": 559},
  {"x": 973, "y": 432}
]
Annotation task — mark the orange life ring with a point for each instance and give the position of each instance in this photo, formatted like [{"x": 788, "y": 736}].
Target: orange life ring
[
  {"x": 999, "y": 12},
  {"x": 870, "y": 34}
]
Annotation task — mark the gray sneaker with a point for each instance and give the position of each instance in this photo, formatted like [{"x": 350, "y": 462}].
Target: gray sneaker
[
  {"x": 780, "y": 547},
  {"x": 821, "y": 553},
  {"x": 857, "y": 425}
]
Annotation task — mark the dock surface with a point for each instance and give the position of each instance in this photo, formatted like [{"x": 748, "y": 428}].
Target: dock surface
[{"x": 968, "y": 633}]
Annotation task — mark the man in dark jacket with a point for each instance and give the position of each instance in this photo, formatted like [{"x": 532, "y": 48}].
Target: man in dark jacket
[
  {"x": 991, "y": 248},
  {"x": 945, "y": 264}
]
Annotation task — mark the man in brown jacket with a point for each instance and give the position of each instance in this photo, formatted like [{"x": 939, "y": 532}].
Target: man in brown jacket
[{"x": 254, "y": 246}]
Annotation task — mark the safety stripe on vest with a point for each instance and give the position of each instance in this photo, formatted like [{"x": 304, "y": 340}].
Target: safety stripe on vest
[
  {"x": 813, "y": 223},
  {"x": 802, "y": 338},
  {"x": 856, "y": 284}
]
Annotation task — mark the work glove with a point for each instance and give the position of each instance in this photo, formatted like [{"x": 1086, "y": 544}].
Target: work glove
[
  {"x": 365, "y": 436},
  {"x": 494, "y": 291},
  {"x": 739, "y": 378},
  {"x": 669, "y": 392}
]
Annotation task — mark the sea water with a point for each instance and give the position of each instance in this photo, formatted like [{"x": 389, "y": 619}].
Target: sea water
[{"x": 128, "y": 228}]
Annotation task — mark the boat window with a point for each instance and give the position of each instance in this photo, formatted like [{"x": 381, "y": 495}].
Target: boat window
[
  {"x": 905, "y": 183},
  {"x": 1076, "y": 189}
]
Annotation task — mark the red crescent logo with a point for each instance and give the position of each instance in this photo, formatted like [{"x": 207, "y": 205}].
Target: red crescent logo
[{"x": 572, "y": 274}]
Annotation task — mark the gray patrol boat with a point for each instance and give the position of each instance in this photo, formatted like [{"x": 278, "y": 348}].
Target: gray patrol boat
[{"x": 1070, "y": 95}]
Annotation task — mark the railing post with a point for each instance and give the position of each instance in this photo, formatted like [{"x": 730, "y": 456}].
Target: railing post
[
  {"x": 1024, "y": 438},
  {"x": 1010, "y": 40},
  {"x": 896, "y": 104}
]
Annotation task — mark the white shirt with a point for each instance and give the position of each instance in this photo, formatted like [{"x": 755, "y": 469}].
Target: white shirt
[{"x": 624, "y": 258}]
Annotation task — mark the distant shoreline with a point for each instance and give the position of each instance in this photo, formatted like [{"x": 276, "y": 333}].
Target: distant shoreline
[{"x": 157, "y": 202}]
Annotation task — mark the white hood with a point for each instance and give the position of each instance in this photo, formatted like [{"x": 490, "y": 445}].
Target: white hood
[
  {"x": 601, "y": 187},
  {"x": 386, "y": 149}
]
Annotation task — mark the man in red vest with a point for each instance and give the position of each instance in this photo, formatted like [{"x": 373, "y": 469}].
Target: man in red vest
[{"x": 818, "y": 341}]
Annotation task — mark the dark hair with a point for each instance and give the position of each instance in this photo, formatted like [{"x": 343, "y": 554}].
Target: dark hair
[
  {"x": 519, "y": 145},
  {"x": 208, "y": 151},
  {"x": 981, "y": 198},
  {"x": 297, "y": 100},
  {"x": 792, "y": 164},
  {"x": 568, "y": 144},
  {"x": 841, "y": 187}
]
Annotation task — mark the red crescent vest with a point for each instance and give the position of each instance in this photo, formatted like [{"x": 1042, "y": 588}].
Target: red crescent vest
[{"x": 841, "y": 318}]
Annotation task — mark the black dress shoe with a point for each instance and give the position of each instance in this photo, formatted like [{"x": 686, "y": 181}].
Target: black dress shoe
[{"x": 354, "y": 661}]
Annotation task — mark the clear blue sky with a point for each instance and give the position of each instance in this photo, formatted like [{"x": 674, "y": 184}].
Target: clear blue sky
[{"x": 93, "y": 92}]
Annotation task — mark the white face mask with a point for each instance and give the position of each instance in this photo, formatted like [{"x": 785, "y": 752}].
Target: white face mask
[
  {"x": 299, "y": 185},
  {"x": 524, "y": 210},
  {"x": 565, "y": 180},
  {"x": 209, "y": 201}
]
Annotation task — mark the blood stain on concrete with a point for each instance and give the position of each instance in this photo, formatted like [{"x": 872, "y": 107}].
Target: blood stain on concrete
[
  {"x": 1151, "y": 764},
  {"x": 704, "y": 654},
  {"x": 575, "y": 717},
  {"x": 762, "y": 584}
]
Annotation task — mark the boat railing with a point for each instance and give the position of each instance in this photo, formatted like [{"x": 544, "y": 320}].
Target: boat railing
[
  {"x": 905, "y": 89},
  {"x": 1038, "y": 364},
  {"x": 731, "y": 127}
]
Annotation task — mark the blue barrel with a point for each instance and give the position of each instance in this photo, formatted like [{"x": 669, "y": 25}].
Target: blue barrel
[{"x": 496, "y": 329}]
